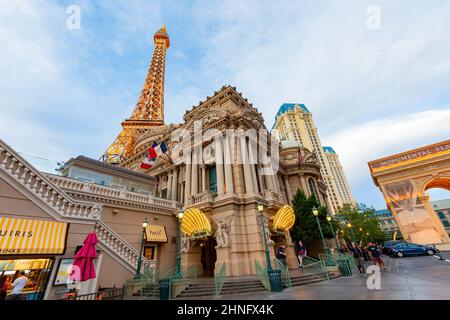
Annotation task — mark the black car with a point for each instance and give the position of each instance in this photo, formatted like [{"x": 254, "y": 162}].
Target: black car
[{"x": 411, "y": 249}]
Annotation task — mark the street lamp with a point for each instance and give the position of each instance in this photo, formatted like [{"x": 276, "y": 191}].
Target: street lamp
[
  {"x": 139, "y": 263},
  {"x": 261, "y": 215},
  {"x": 332, "y": 230},
  {"x": 180, "y": 219},
  {"x": 316, "y": 214},
  {"x": 349, "y": 225}
]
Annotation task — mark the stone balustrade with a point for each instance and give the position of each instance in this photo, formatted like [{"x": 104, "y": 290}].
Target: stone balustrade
[
  {"x": 120, "y": 247},
  {"x": 104, "y": 191},
  {"x": 18, "y": 169}
]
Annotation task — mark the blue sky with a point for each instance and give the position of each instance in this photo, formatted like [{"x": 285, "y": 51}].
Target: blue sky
[{"x": 372, "y": 92}]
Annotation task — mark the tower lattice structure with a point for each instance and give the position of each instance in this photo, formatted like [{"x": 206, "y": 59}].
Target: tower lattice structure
[{"x": 149, "y": 110}]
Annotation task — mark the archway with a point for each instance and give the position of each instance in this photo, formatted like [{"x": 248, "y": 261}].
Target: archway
[
  {"x": 208, "y": 256},
  {"x": 438, "y": 191},
  {"x": 404, "y": 180}
]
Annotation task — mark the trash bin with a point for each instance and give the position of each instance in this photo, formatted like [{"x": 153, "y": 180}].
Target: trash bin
[
  {"x": 344, "y": 267},
  {"x": 164, "y": 289},
  {"x": 275, "y": 280}
]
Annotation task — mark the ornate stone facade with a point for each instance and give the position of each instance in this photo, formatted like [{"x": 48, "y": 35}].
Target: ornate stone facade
[{"x": 204, "y": 169}]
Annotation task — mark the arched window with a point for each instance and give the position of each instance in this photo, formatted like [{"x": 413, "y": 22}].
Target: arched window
[{"x": 312, "y": 188}]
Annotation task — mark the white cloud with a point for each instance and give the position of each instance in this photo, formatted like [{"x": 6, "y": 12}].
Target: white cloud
[{"x": 359, "y": 144}]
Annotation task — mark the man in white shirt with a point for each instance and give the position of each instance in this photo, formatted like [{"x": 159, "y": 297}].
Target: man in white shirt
[{"x": 18, "y": 285}]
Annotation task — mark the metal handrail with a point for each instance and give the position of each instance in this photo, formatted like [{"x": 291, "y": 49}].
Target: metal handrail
[
  {"x": 108, "y": 294},
  {"x": 285, "y": 276},
  {"x": 328, "y": 259},
  {"x": 262, "y": 275},
  {"x": 314, "y": 266},
  {"x": 219, "y": 278}
]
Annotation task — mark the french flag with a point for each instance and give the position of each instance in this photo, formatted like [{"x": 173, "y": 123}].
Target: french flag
[{"x": 152, "y": 153}]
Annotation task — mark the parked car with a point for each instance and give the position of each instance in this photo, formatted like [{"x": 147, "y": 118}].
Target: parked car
[
  {"x": 411, "y": 249},
  {"x": 387, "y": 246}
]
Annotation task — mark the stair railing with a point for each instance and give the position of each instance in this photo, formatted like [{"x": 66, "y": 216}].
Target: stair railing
[
  {"x": 262, "y": 275},
  {"x": 219, "y": 278},
  {"x": 328, "y": 259},
  {"x": 285, "y": 276},
  {"x": 314, "y": 267}
]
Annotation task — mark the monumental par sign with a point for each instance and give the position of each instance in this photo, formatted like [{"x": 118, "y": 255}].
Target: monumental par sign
[{"x": 412, "y": 156}]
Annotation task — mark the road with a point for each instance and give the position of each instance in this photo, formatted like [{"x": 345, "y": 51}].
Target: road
[{"x": 411, "y": 278}]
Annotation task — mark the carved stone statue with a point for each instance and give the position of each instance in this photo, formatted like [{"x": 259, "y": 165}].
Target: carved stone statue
[
  {"x": 95, "y": 211},
  {"x": 223, "y": 228},
  {"x": 185, "y": 244},
  {"x": 268, "y": 233}
]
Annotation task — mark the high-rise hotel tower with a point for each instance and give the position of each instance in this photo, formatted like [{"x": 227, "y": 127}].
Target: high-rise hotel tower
[{"x": 294, "y": 122}]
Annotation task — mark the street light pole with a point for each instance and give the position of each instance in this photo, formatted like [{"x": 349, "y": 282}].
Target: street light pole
[
  {"x": 349, "y": 225},
  {"x": 316, "y": 214},
  {"x": 180, "y": 219},
  {"x": 334, "y": 235},
  {"x": 138, "y": 274},
  {"x": 261, "y": 215}
]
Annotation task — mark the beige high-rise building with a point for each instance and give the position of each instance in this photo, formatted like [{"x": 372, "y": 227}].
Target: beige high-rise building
[
  {"x": 294, "y": 122},
  {"x": 342, "y": 194}
]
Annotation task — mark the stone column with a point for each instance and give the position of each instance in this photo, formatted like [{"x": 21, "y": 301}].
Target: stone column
[
  {"x": 228, "y": 168},
  {"x": 169, "y": 185},
  {"x": 187, "y": 183},
  {"x": 203, "y": 178},
  {"x": 288, "y": 189},
  {"x": 175, "y": 184},
  {"x": 276, "y": 184},
  {"x": 219, "y": 167},
  {"x": 247, "y": 170},
  {"x": 258, "y": 175},
  {"x": 252, "y": 167},
  {"x": 304, "y": 185},
  {"x": 181, "y": 191},
  {"x": 194, "y": 177},
  {"x": 269, "y": 182}
]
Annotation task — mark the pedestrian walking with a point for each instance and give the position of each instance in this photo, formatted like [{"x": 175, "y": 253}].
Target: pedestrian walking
[
  {"x": 376, "y": 255},
  {"x": 301, "y": 253},
  {"x": 281, "y": 254},
  {"x": 17, "y": 287},
  {"x": 357, "y": 254}
]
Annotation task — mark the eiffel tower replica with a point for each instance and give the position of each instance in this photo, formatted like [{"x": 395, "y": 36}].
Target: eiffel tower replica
[{"x": 149, "y": 110}]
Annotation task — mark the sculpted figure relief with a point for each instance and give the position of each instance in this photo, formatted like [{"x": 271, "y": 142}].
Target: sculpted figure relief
[
  {"x": 223, "y": 228},
  {"x": 185, "y": 244}
]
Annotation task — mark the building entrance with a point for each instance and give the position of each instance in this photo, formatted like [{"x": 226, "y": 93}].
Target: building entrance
[{"x": 208, "y": 256}]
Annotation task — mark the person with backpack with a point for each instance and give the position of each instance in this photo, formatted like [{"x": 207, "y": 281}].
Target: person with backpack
[
  {"x": 301, "y": 253},
  {"x": 357, "y": 254}
]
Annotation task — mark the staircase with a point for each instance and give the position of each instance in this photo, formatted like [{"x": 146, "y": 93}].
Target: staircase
[
  {"x": 298, "y": 277},
  {"x": 203, "y": 287},
  {"x": 62, "y": 207},
  {"x": 206, "y": 287}
]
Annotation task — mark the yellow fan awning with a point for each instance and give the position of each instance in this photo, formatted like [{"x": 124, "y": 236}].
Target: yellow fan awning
[
  {"x": 195, "y": 224},
  {"x": 155, "y": 233},
  {"x": 284, "y": 219},
  {"x": 24, "y": 236}
]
